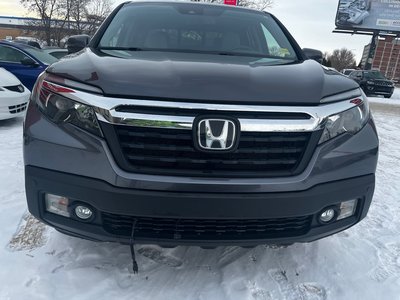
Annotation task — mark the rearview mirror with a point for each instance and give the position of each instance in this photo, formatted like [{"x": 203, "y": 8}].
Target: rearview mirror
[
  {"x": 27, "y": 61},
  {"x": 313, "y": 54},
  {"x": 76, "y": 43}
]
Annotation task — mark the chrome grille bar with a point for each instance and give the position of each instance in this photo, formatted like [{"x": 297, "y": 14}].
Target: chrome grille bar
[{"x": 106, "y": 111}]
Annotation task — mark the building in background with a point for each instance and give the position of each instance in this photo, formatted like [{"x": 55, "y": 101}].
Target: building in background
[
  {"x": 52, "y": 32},
  {"x": 11, "y": 27},
  {"x": 386, "y": 58}
]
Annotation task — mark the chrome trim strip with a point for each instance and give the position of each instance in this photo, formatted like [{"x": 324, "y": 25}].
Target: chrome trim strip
[
  {"x": 264, "y": 125},
  {"x": 146, "y": 120},
  {"x": 177, "y": 122},
  {"x": 342, "y": 96},
  {"x": 105, "y": 108}
]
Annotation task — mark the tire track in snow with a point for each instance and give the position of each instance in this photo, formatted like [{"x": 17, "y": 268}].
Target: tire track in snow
[
  {"x": 302, "y": 291},
  {"x": 160, "y": 256},
  {"x": 29, "y": 235},
  {"x": 389, "y": 264},
  {"x": 286, "y": 288},
  {"x": 258, "y": 293}
]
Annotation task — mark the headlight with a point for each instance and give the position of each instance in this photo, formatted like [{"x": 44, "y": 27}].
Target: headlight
[
  {"x": 60, "y": 109},
  {"x": 350, "y": 121},
  {"x": 370, "y": 82}
]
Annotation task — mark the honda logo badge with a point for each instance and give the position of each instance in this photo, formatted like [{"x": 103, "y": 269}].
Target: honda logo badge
[{"x": 217, "y": 134}]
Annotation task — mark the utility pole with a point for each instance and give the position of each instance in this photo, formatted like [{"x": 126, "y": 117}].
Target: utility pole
[
  {"x": 371, "y": 52},
  {"x": 68, "y": 12}
]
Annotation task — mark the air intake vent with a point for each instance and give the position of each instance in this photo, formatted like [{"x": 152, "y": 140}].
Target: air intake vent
[{"x": 15, "y": 88}]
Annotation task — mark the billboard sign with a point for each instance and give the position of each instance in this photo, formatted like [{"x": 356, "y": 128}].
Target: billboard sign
[{"x": 369, "y": 15}]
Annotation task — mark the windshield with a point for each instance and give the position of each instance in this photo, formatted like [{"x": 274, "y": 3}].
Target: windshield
[
  {"x": 41, "y": 55},
  {"x": 374, "y": 75},
  {"x": 183, "y": 27}
]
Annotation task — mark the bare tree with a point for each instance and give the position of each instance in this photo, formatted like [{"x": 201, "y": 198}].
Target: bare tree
[
  {"x": 87, "y": 15},
  {"x": 95, "y": 13},
  {"x": 46, "y": 11},
  {"x": 342, "y": 59},
  {"x": 59, "y": 18},
  {"x": 255, "y": 4},
  {"x": 325, "y": 59},
  {"x": 77, "y": 14}
]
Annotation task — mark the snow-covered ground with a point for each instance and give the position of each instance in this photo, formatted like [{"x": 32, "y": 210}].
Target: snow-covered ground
[
  {"x": 394, "y": 100},
  {"x": 37, "y": 262}
]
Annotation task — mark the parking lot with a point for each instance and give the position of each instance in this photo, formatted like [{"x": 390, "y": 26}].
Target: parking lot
[{"x": 363, "y": 262}]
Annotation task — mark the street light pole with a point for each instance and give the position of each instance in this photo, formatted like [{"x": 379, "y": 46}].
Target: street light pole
[{"x": 371, "y": 52}]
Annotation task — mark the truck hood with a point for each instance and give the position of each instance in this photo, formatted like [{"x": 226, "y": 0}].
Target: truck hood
[{"x": 203, "y": 77}]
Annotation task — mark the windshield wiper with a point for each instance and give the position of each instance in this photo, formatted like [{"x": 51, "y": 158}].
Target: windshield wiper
[
  {"x": 250, "y": 54},
  {"x": 224, "y": 53},
  {"x": 122, "y": 48},
  {"x": 228, "y": 53}
]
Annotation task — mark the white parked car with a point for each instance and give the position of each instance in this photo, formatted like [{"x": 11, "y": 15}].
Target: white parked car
[{"x": 14, "y": 96}]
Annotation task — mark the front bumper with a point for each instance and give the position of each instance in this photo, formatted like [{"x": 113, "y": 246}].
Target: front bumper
[
  {"x": 65, "y": 160},
  {"x": 378, "y": 90},
  {"x": 138, "y": 204},
  {"x": 13, "y": 104}
]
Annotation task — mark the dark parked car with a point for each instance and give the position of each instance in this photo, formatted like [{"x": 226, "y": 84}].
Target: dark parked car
[
  {"x": 24, "y": 61},
  {"x": 56, "y": 52},
  {"x": 34, "y": 44},
  {"x": 373, "y": 83},
  {"x": 347, "y": 71},
  {"x": 200, "y": 124}
]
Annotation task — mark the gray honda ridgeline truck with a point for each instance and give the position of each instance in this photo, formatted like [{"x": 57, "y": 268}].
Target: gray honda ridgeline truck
[{"x": 187, "y": 123}]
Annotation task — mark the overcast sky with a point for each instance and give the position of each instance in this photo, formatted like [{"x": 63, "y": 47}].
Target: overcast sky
[{"x": 310, "y": 21}]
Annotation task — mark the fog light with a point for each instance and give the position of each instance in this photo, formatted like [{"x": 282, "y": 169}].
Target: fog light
[
  {"x": 347, "y": 209},
  {"x": 57, "y": 205},
  {"x": 83, "y": 212},
  {"x": 327, "y": 215}
]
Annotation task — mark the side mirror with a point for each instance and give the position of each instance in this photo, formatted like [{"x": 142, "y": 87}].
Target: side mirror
[
  {"x": 76, "y": 43},
  {"x": 26, "y": 61},
  {"x": 34, "y": 44},
  {"x": 313, "y": 54}
]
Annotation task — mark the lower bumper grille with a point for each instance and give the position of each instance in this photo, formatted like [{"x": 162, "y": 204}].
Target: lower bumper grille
[
  {"x": 14, "y": 109},
  {"x": 205, "y": 229}
]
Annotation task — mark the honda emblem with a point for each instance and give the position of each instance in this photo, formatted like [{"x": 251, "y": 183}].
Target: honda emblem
[{"x": 216, "y": 134}]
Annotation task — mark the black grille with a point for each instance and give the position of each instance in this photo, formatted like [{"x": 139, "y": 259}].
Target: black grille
[
  {"x": 172, "y": 151},
  {"x": 15, "y": 88},
  {"x": 14, "y": 109},
  {"x": 383, "y": 83},
  {"x": 205, "y": 229}
]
